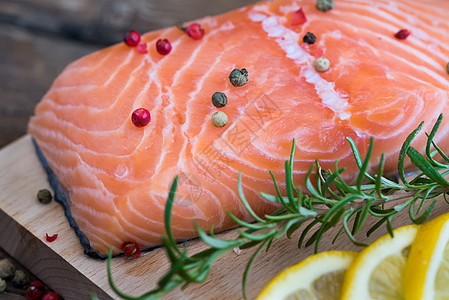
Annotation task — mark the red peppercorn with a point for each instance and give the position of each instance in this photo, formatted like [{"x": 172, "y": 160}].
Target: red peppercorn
[
  {"x": 402, "y": 34},
  {"x": 131, "y": 249},
  {"x": 35, "y": 290},
  {"x": 298, "y": 17},
  {"x": 50, "y": 296},
  {"x": 163, "y": 46},
  {"x": 195, "y": 31},
  {"x": 131, "y": 38},
  {"x": 51, "y": 238},
  {"x": 142, "y": 48},
  {"x": 141, "y": 117}
]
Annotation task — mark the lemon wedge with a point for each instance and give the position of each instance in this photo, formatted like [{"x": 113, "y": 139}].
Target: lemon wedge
[
  {"x": 317, "y": 277},
  {"x": 426, "y": 273},
  {"x": 377, "y": 272}
]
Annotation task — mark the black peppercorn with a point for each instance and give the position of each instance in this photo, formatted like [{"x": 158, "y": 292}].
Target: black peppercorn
[
  {"x": 238, "y": 77},
  {"x": 219, "y": 99},
  {"x": 44, "y": 196},
  {"x": 309, "y": 38}
]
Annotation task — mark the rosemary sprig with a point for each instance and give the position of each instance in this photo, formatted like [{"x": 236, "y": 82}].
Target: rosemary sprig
[{"x": 327, "y": 202}]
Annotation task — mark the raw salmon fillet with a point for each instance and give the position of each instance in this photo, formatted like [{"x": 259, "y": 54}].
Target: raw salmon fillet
[{"x": 118, "y": 176}]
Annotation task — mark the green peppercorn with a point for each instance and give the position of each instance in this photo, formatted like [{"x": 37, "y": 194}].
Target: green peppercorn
[
  {"x": 219, "y": 119},
  {"x": 20, "y": 279},
  {"x": 44, "y": 196},
  {"x": 324, "y": 5},
  {"x": 219, "y": 99},
  {"x": 7, "y": 269},
  {"x": 238, "y": 77},
  {"x": 2, "y": 285}
]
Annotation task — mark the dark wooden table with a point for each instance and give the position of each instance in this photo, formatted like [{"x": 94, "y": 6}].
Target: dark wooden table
[{"x": 39, "y": 37}]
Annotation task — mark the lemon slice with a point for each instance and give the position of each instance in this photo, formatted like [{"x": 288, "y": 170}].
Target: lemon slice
[
  {"x": 317, "y": 277},
  {"x": 427, "y": 271},
  {"x": 377, "y": 272}
]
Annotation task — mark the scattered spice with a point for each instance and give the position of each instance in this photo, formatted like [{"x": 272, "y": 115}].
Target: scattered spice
[
  {"x": 7, "y": 269},
  {"x": 402, "y": 34},
  {"x": 132, "y": 38},
  {"x": 219, "y": 119},
  {"x": 141, "y": 117},
  {"x": 309, "y": 38},
  {"x": 142, "y": 48},
  {"x": 195, "y": 31},
  {"x": 163, "y": 46},
  {"x": 298, "y": 17},
  {"x": 219, "y": 99},
  {"x": 20, "y": 279},
  {"x": 321, "y": 64},
  {"x": 324, "y": 5},
  {"x": 35, "y": 290},
  {"x": 44, "y": 196},
  {"x": 50, "y": 296},
  {"x": 131, "y": 249},
  {"x": 2, "y": 285},
  {"x": 238, "y": 77},
  {"x": 447, "y": 68},
  {"x": 52, "y": 238}
]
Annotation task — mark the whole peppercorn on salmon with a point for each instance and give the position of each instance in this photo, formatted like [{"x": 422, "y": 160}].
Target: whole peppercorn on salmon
[{"x": 117, "y": 175}]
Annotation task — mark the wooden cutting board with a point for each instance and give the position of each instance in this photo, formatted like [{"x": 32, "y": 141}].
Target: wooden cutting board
[{"x": 63, "y": 266}]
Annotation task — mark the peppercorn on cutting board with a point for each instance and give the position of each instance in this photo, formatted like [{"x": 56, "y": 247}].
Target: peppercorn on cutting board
[{"x": 24, "y": 222}]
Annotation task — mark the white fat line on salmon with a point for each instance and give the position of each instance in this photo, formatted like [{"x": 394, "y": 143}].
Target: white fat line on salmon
[
  {"x": 170, "y": 109},
  {"x": 119, "y": 68},
  {"x": 405, "y": 11},
  {"x": 160, "y": 202},
  {"x": 132, "y": 219},
  {"x": 101, "y": 110},
  {"x": 417, "y": 37},
  {"x": 94, "y": 229},
  {"x": 78, "y": 146},
  {"x": 287, "y": 39},
  {"x": 379, "y": 52},
  {"x": 288, "y": 9},
  {"x": 165, "y": 109},
  {"x": 386, "y": 39},
  {"x": 402, "y": 8},
  {"x": 74, "y": 68},
  {"x": 199, "y": 85}
]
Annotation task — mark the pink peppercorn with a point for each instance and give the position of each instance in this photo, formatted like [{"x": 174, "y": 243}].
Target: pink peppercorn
[
  {"x": 141, "y": 117},
  {"x": 50, "y": 296},
  {"x": 195, "y": 31},
  {"x": 163, "y": 46},
  {"x": 131, "y": 38},
  {"x": 402, "y": 34}
]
